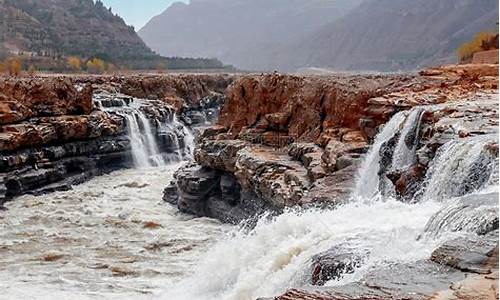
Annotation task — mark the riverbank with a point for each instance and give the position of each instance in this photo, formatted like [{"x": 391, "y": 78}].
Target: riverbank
[{"x": 373, "y": 186}]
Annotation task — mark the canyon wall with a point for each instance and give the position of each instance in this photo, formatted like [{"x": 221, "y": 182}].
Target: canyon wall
[
  {"x": 284, "y": 140},
  {"x": 54, "y": 133}
]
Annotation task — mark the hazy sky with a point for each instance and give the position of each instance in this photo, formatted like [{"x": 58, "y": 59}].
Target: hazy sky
[{"x": 138, "y": 12}]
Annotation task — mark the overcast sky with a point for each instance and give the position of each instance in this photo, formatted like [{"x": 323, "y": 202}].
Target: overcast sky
[{"x": 138, "y": 12}]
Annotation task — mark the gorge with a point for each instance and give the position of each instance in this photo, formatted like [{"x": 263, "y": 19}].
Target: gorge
[{"x": 373, "y": 186}]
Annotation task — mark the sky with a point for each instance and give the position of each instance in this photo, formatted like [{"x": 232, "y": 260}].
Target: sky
[{"x": 138, "y": 12}]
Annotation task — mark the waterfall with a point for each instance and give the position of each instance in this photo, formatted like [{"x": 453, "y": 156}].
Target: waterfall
[
  {"x": 461, "y": 167},
  {"x": 404, "y": 153},
  {"x": 139, "y": 149},
  {"x": 398, "y": 142},
  {"x": 180, "y": 136},
  {"x": 367, "y": 185},
  {"x": 477, "y": 213},
  {"x": 147, "y": 123}
]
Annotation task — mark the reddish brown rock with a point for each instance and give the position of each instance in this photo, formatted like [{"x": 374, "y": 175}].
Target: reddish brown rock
[{"x": 32, "y": 97}]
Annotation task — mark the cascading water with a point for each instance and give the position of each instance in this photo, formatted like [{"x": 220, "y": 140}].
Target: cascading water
[
  {"x": 276, "y": 254},
  {"x": 143, "y": 137},
  {"x": 140, "y": 150},
  {"x": 404, "y": 153},
  {"x": 367, "y": 184},
  {"x": 462, "y": 167},
  {"x": 404, "y": 127}
]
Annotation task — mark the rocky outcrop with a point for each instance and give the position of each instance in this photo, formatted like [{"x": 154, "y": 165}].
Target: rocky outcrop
[
  {"x": 55, "y": 131},
  {"x": 298, "y": 140}
]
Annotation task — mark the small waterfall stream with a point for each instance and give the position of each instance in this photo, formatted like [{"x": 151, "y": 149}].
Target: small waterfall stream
[
  {"x": 462, "y": 167},
  {"x": 144, "y": 132},
  {"x": 404, "y": 153},
  {"x": 368, "y": 180}
]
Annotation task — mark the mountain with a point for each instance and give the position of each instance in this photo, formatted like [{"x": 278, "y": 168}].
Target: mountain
[
  {"x": 394, "y": 35},
  {"x": 383, "y": 35},
  {"x": 68, "y": 27},
  {"x": 239, "y": 32},
  {"x": 59, "y": 28}
]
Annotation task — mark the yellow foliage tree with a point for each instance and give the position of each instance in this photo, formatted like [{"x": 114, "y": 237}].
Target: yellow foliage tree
[
  {"x": 467, "y": 49},
  {"x": 14, "y": 66},
  {"x": 75, "y": 63},
  {"x": 96, "y": 66},
  {"x": 2, "y": 67}
]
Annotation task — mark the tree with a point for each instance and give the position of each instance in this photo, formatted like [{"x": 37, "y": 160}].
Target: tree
[
  {"x": 14, "y": 66},
  {"x": 96, "y": 66},
  {"x": 477, "y": 44},
  {"x": 74, "y": 63}
]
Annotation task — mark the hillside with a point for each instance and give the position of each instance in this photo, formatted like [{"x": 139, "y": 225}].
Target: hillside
[
  {"x": 383, "y": 35},
  {"x": 239, "y": 32},
  {"x": 394, "y": 35},
  {"x": 58, "y": 28}
]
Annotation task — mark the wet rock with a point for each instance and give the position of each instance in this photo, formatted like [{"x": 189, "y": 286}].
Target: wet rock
[
  {"x": 334, "y": 263},
  {"x": 196, "y": 184},
  {"x": 171, "y": 193},
  {"x": 211, "y": 193},
  {"x": 408, "y": 182},
  {"x": 474, "y": 214},
  {"x": 333, "y": 189},
  {"x": 219, "y": 154},
  {"x": 272, "y": 176},
  {"x": 470, "y": 253},
  {"x": 53, "y": 256},
  {"x": 420, "y": 280},
  {"x": 151, "y": 225},
  {"x": 120, "y": 271}
]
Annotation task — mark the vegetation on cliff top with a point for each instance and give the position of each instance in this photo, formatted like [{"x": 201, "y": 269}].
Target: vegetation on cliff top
[{"x": 482, "y": 41}]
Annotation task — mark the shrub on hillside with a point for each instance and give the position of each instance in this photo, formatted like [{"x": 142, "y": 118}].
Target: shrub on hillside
[
  {"x": 96, "y": 66},
  {"x": 74, "y": 63},
  {"x": 13, "y": 66},
  {"x": 482, "y": 41}
]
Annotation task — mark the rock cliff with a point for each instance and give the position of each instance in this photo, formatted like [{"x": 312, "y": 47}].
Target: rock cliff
[
  {"x": 284, "y": 140},
  {"x": 54, "y": 132}
]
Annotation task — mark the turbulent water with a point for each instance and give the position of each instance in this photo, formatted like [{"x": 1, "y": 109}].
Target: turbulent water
[
  {"x": 112, "y": 237},
  {"x": 109, "y": 238}
]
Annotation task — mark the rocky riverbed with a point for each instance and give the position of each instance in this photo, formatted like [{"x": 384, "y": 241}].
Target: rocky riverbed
[{"x": 375, "y": 186}]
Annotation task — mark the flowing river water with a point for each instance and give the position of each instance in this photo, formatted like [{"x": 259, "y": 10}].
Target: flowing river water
[
  {"x": 113, "y": 238},
  {"x": 109, "y": 238}
]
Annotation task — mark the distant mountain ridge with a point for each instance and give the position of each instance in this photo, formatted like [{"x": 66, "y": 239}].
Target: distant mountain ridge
[
  {"x": 69, "y": 27},
  {"x": 240, "y": 32},
  {"x": 383, "y": 35},
  {"x": 59, "y": 28},
  {"x": 395, "y": 35}
]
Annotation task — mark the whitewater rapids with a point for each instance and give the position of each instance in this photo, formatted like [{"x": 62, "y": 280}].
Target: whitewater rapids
[{"x": 109, "y": 238}]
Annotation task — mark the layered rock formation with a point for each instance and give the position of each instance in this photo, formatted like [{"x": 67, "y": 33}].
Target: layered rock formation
[
  {"x": 291, "y": 140},
  {"x": 53, "y": 134}
]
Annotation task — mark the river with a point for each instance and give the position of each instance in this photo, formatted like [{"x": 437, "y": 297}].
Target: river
[{"x": 111, "y": 237}]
